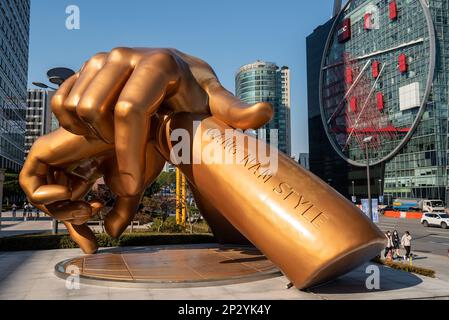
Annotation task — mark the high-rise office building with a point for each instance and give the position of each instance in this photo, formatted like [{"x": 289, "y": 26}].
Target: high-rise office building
[
  {"x": 303, "y": 160},
  {"x": 266, "y": 82},
  {"x": 323, "y": 160},
  {"x": 14, "y": 43},
  {"x": 401, "y": 35},
  {"x": 39, "y": 118}
]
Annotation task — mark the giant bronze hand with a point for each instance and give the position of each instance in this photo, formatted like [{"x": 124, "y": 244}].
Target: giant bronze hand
[
  {"x": 109, "y": 105},
  {"x": 114, "y": 96},
  {"x": 306, "y": 228}
]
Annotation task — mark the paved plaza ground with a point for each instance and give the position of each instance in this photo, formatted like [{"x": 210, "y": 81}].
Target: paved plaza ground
[{"x": 30, "y": 275}]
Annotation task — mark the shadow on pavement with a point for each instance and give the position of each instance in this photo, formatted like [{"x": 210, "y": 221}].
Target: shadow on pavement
[
  {"x": 419, "y": 258},
  {"x": 356, "y": 282}
]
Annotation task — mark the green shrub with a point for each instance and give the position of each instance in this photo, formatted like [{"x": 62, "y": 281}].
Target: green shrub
[
  {"x": 406, "y": 267},
  {"x": 49, "y": 242},
  {"x": 168, "y": 225}
]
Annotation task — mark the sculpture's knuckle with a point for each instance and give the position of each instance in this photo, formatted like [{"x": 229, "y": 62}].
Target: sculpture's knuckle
[
  {"x": 125, "y": 108},
  {"x": 97, "y": 61},
  {"x": 70, "y": 105},
  {"x": 164, "y": 60},
  {"x": 87, "y": 110},
  {"x": 57, "y": 102},
  {"x": 118, "y": 54}
]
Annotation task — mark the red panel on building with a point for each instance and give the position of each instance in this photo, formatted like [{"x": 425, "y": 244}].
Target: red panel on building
[
  {"x": 393, "y": 10},
  {"x": 344, "y": 31},
  {"x": 376, "y": 68},
  {"x": 380, "y": 101},
  {"x": 348, "y": 76},
  {"x": 367, "y": 21},
  {"x": 403, "y": 67},
  {"x": 353, "y": 104}
]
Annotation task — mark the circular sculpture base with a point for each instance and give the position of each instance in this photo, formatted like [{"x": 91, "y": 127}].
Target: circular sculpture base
[{"x": 170, "y": 266}]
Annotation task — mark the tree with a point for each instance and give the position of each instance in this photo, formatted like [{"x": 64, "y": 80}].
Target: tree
[
  {"x": 12, "y": 192},
  {"x": 165, "y": 180}
]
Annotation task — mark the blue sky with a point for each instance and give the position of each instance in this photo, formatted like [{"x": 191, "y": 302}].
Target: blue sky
[{"x": 227, "y": 34}]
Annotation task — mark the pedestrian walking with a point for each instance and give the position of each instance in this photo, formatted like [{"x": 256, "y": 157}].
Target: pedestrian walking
[
  {"x": 29, "y": 210},
  {"x": 37, "y": 214},
  {"x": 389, "y": 247},
  {"x": 25, "y": 210},
  {"x": 406, "y": 242},
  {"x": 14, "y": 210},
  {"x": 396, "y": 243}
]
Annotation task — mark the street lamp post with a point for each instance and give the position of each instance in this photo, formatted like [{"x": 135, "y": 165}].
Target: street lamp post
[
  {"x": 380, "y": 189},
  {"x": 353, "y": 192},
  {"x": 353, "y": 188},
  {"x": 43, "y": 86},
  {"x": 366, "y": 141}
]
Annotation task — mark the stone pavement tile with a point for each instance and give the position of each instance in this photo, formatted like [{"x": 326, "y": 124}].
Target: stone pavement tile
[
  {"x": 16, "y": 287},
  {"x": 90, "y": 297},
  {"x": 48, "y": 284},
  {"x": 130, "y": 294},
  {"x": 29, "y": 275},
  {"x": 88, "y": 293},
  {"x": 270, "y": 295},
  {"x": 212, "y": 293},
  {"x": 171, "y": 294},
  {"x": 47, "y": 295},
  {"x": 256, "y": 286},
  {"x": 13, "y": 296}
]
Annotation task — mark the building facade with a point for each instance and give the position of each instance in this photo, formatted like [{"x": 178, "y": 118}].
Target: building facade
[
  {"x": 304, "y": 160},
  {"x": 420, "y": 169},
  {"x": 266, "y": 82},
  {"x": 323, "y": 160},
  {"x": 39, "y": 118},
  {"x": 14, "y": 44}
]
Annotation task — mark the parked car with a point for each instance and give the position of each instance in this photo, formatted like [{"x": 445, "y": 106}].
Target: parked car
[
  {"x": 385, "y": 208},
  {"x": 435, "y": 219}
]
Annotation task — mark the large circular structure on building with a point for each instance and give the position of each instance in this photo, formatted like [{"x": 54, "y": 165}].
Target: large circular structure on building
[{"x": 376, "y": 77}]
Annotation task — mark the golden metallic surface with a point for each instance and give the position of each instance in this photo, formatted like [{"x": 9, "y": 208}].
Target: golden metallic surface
[
  {"x": 117, "y": 114},
  {"x": 173, "y": 266},
  {"x": 299, "y": 222}
]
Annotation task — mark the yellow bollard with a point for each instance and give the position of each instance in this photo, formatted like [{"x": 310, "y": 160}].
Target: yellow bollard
[
  {"x": 178, "y": 196},
  {"x": 183, "y": 199}
]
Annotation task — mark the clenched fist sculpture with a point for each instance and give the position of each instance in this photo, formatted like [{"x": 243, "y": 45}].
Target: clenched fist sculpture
[{"x": 118, "y": 115}]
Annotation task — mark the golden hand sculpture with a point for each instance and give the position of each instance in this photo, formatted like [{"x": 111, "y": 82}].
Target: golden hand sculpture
[{"x": 117, "y": 114}]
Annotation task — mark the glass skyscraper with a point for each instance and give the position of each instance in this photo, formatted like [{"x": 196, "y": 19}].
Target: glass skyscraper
[
  {"x": 14, "y": 42},
  {"x": 39, "y": 118},
  {"x": 421, "y": 168},
  {"x": 266, "y": 82}
]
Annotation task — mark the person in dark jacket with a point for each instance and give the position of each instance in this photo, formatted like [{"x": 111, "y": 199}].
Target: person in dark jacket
[
  {"x": 389, "y": 247},
  {"x": 396, "y": 244}
]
